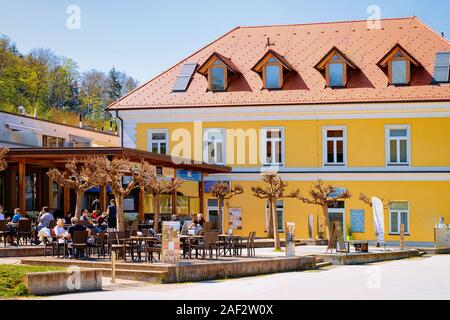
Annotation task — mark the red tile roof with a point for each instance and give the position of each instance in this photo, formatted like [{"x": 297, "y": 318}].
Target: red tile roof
[{"x": 303, "y": 46}]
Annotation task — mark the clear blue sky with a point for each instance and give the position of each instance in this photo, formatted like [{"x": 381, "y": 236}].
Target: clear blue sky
[{"x": 145, "y": 37}]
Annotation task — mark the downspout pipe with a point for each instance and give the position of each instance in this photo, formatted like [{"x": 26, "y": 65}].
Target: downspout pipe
[{"x": 121, "y": 128}]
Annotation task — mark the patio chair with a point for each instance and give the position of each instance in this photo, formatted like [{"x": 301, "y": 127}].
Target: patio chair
[
  {"x": 210, "y": 243},
  {"x": 55, "y": 245},
  {"x": 249, "y": 244},
  {"x": 79, "y": 243},
  {"x": 116, "y": 244},
  {"x": 151, "y": 247},
  {"x": 99, "y": 244},
  {"x": 4, "y": 231},
  {"x": 24, "y": 231},
  {"x": 51, "y": 224}
]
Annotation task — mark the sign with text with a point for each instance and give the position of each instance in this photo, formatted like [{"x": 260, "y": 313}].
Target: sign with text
[
  {"x": 290, "y": 239},
  {"x": 170, "y": 242},
  {"x": 235, "y": 218},
  {"x": 357, "y": 221},
  {"x": 189, "y": 175}
]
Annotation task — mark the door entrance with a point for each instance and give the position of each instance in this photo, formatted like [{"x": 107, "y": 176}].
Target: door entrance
[{"x": 337, "y": 215}]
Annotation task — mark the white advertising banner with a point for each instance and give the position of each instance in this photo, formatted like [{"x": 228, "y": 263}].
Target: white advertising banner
[{"x": 378, "y": 218}]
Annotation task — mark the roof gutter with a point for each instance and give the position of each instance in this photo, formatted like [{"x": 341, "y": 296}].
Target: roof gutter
[{"x": 121, "y": 127}]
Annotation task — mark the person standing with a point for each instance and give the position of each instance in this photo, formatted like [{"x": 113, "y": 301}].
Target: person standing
[{"x": 112, "y": 214}]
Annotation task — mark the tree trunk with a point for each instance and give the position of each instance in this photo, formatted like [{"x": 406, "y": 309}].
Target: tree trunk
[
  {"x": 219, "y": 216},
  {"x": 270, "y": 221},
  {"x": 119, "y": 212},
  {"x": 79, "y": 204},
  {"x": 156, "y": 216},
  {"x": 276, "y": 233},
  {"x": 327, "y": 223}
]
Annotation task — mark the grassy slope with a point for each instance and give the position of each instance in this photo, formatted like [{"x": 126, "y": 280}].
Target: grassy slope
[{"x": 11, "y": 282}]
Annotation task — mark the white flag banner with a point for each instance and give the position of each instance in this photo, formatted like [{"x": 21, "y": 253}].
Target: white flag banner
[{"x": 378, "y": 218}]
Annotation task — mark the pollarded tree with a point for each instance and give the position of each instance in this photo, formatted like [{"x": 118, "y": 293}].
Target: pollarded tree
[
  {"x": 323, "y": 195},
  {"x": 156, "y": 186},
  {"x": 3, "y": 163},
  {"x": 224, "y": 191},
  {"x": 80, "y": 175},
  {"x": 275, "y": 190},
  {"x": 114, "y": 172}
]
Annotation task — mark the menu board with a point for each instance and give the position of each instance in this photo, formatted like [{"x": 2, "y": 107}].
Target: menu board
[
  {"x": 290, "y": 239},
  {"x": 357, "y": 221},
  {"x": 235, "y": 218},
  {"x": 171, "y": 242}
]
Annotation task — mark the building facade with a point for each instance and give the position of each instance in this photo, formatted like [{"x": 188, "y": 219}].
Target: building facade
[
  {"x": 363, "y": 109},
  {"x": 22, "y": 131}
]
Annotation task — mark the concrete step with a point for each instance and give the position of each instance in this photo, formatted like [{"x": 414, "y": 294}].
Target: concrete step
[{"x": 323, "y": 264}]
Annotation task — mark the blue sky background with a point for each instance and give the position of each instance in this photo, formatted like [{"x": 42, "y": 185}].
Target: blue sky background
[{"x": 145, "y": 37}]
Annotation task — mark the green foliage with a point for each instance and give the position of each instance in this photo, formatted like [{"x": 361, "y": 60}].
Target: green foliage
[
  {"x": 11, "y": 278},
  {"x": 43, "y": 82}
]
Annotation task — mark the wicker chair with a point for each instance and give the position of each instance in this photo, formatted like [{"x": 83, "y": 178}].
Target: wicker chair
[
  {"x": 79, "y": 242},
  {"x": 24, "y": 231},
  {"x": 4, "y": 231},
  {"x": 210, "y": 243},
  {"x": 249, "y": 244}
]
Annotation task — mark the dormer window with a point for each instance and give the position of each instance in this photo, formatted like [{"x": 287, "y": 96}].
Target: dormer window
[
  {"x": 398, "y": 64},
  {"x": 217, "y": 76},
  {"x": 271, "y": 67},
  {"x": 219, "y": 71},
  {"x": 334, "y": 68}
]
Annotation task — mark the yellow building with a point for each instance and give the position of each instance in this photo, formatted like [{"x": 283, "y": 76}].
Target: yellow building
[{"x": 363, "y": 109}]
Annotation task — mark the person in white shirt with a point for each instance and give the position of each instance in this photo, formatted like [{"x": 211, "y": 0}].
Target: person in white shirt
[{"x": 59, "y": 230}]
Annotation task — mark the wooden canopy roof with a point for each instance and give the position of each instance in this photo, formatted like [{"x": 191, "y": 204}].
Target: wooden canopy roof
[{"x": 57, "y": 156}]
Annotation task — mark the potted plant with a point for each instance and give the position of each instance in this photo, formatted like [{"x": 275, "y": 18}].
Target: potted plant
[{"x": 349, "y": 233}]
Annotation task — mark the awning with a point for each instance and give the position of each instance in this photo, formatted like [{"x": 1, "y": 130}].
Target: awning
[{"x": 19, "y": 127}]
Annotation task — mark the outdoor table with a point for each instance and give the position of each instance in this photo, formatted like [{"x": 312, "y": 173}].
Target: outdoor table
[{"x": 228, "y": 243}]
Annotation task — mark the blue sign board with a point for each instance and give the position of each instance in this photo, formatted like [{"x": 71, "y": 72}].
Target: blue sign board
[
  {"x": 97, "y": 189},
  {"x": 357, "y": 221},
  {"x": 189, "y": 175},
  {"x": 207, "y": 185}
]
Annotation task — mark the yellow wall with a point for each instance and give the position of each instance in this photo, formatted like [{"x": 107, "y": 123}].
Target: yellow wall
[
  {"x": 428, "y": 200},
  {"x": 430, "y": 145}
]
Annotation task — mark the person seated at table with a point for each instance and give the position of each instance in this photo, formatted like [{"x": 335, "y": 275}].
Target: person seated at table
[
  {"x": 17, "y": 216},
  {"x": 200, "y": 219},
  {"x": 95, "y": 214},
  {"x": 59, "y": 231},
  {"x": 101, "y": 220},
  {"x": 76, "y": 226},
  {"x": 44, "y": 218},
  {"x": 194, "y": 228},
  {"x": 173, "y": 217}
]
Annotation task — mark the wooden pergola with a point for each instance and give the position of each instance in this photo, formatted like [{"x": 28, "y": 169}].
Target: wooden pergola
[{"x": 24, "y": 160}]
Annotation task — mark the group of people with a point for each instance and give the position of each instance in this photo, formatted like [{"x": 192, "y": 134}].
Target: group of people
[
  {"x": 196, "y": 225},
  {"x": 95, "y": 221}
]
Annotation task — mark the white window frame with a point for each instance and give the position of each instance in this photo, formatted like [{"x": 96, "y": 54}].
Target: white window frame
[
  {"x": 205, "y": 145},
  {"x": 399, "y": 213},
  {"x": 263, "y": 140},
  {"x": 388, "y": 129},
  {"x": 325, "y": 139},
  {"x": 150, "y": 139},
  {"x": 280, "y": 228}
]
